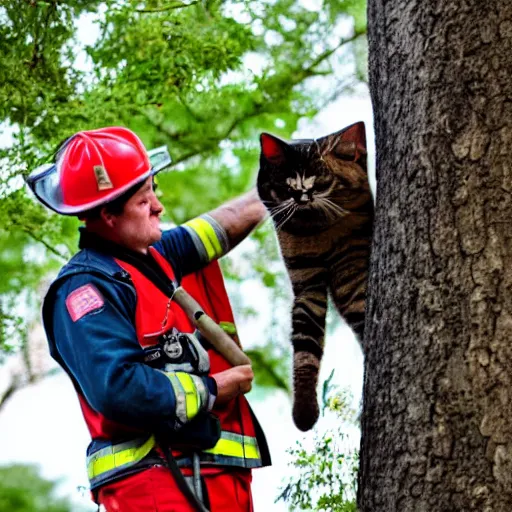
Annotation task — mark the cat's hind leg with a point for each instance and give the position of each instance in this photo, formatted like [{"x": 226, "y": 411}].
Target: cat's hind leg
[{"x": 347, "y": 285}]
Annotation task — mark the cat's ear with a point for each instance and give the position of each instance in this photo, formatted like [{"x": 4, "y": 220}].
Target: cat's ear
[
  {"x": 355, "y": 133},
  {"x": 273, "y": 149},
  {"x": 349, "y": 143}
]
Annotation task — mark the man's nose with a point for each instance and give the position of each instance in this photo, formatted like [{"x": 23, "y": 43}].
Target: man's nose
[{"x": 156, "y": 206}]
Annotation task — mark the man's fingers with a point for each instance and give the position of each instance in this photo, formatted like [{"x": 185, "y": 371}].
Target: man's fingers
[
  {"x": 233, "y": 382},
  {"x": 246, "y": 371}
]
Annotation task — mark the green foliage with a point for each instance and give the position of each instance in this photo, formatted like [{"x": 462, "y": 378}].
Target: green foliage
[
  {"x": 22, "y": 489},
  {"x": 203, "y": 77},
  {"x": 269, "y": 364},
  {"x": 325, "y": 476}
]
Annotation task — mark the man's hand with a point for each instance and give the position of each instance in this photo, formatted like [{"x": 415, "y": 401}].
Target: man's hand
[{"x": 233, "y": 382}]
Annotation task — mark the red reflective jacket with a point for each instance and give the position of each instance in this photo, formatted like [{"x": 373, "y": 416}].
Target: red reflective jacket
[{"x": 156, "y": 314}]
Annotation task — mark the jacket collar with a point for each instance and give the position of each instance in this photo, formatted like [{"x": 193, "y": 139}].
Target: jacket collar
[{"x": 144, "y": 263}]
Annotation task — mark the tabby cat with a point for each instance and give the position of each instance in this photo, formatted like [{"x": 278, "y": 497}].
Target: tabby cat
[{"x": 318, "y": 195}]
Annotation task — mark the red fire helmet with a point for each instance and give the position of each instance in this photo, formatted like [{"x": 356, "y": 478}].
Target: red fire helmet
[{"x": 94, "y": 167}]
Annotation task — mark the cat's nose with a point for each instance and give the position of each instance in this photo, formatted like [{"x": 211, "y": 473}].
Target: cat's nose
[{"x": 301, "y": 197}]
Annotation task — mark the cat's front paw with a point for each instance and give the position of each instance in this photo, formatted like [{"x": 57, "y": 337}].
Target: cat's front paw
[{"x": 305, "y": 379}]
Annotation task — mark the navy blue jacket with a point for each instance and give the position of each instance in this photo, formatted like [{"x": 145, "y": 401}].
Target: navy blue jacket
[{"x": 100, "y": 350}]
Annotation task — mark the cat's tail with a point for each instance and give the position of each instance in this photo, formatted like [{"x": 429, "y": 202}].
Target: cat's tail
[{"x": 308, "y": 323}]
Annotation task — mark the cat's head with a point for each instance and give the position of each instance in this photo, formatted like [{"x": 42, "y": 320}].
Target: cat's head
[{"x": 317, "y": 180}]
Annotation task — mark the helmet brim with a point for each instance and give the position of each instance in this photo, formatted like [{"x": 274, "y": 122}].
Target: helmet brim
[{"x": 44, "y": 183}]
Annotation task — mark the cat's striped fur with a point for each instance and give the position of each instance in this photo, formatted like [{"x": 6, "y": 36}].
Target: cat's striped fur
[{"x": 318, "y": 195}]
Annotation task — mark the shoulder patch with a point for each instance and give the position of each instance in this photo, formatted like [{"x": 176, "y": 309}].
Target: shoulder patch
[{"x": 83, "y": 300}]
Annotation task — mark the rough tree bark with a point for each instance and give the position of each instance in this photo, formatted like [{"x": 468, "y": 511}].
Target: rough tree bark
[{"x": 437, "y": 419}]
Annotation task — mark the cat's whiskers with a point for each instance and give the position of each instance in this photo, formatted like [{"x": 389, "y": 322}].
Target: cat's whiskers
[
  {"x": 276, "y": 210},
  {"x": 325, "y": 209},
  {"x": 292, "y": 207},
  {"x": 281, "y": 209},
  {"x": 331, "y": 210},
  {"x": 285, "y": 210},
  {"x": 336, "y": 208},
  {"x": 335, "y": 205},
  {"x": 278, "y": 228},
  {"x": 326, "y": 193}
]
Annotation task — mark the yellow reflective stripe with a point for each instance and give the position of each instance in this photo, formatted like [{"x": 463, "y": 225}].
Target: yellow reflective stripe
[
  {"x": 228, "y": 327},
  {"x": 192, "y": 398},
  {"x": 208, "y": 236},
  {"x": 234, "y": 445},
  {"x": 251, "y": 451},
  {"x": 179, "y": 396},
  {"x": 190, "y": 394},
  {"x": 117, "y": 456}
]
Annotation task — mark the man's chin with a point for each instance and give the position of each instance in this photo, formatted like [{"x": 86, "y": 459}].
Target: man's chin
[{"x": 156, "y": 235}]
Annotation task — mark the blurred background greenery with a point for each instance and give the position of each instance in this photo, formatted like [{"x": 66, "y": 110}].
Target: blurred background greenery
[{"x": 205, "y": 78}]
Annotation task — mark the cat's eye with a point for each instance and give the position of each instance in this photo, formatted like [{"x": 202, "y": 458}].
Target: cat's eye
[
  {"x": 321, "y": 186},
  {"x": 345, "y": 157}
]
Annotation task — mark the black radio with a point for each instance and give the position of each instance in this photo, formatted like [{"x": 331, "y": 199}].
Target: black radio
[{"x": 178, "y": 351}]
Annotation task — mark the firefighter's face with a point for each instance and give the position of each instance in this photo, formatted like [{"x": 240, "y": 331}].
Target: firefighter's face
[{"x": 138, "y": 226}]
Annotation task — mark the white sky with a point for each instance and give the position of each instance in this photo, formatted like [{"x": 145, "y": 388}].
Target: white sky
[{"x": 43, "y": 424}]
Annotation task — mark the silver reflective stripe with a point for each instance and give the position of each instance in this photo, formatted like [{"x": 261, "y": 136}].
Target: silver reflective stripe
[
  {"x": 219, "y": 231},
  {"x": 116, "y": 448},
  {"x": 239, "y": 438},
  {"x": 191, "y": 394},
  {"x": 202, "y": 390}
]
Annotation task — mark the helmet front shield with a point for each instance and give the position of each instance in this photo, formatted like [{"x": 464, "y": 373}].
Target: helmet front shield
[
  {"x": 44, "y": 183},
  {"x": 159, "y": 158}
]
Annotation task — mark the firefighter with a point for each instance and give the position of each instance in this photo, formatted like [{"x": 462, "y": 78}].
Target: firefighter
[{"x": 171, "y": 429}]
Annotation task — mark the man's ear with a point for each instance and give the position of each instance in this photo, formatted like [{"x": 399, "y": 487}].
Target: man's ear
[
  {"x": 273, "y": 148},
  {"x": 107, "y": 217}
]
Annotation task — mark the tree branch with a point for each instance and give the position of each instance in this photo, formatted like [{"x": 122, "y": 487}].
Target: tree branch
[
  {"x": 264, "y": 365},
  {"x": 40, "y": 36},
  {"x": 170, "y": 7},
  {"x": 17, "y": 384},
  {"x": 13, "y": 387},
  {"x": 188, "y": 108},
  {"x": 217, "y": 139},
  {"x": 27, "y": 230},
  {"x": 325, "y": 55},
  {"x": 46, "y": 244},
  {"x": 300, "y": 75}
]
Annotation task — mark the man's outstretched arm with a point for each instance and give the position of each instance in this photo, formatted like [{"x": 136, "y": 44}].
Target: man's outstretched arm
[
  {"x": 203, "y": 239},
  {"x": 239, "y": 216}
]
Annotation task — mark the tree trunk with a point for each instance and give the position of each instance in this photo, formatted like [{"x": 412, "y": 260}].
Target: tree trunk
[{"x": 437, "y": 416}]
